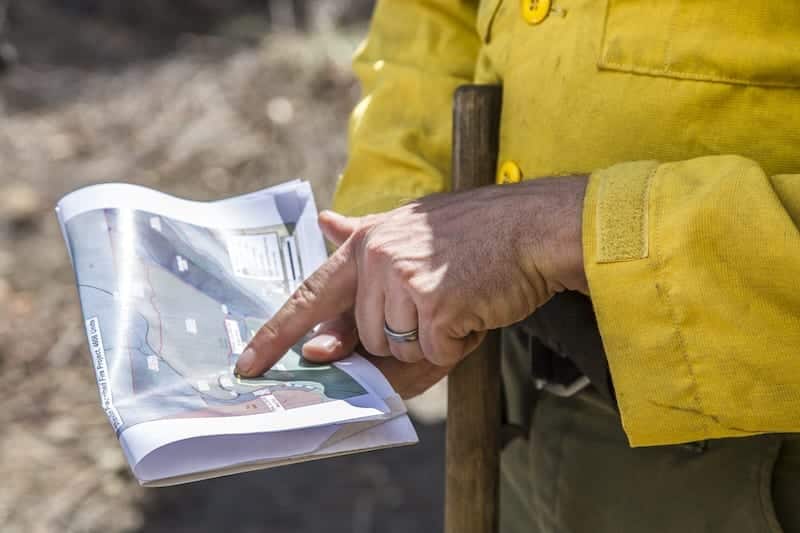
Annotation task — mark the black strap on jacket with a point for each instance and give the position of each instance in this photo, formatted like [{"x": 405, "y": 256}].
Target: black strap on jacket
[{"x": 569, "y": 343}]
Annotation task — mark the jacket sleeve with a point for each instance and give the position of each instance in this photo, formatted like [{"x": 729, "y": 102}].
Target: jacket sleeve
[
  {"x": 694, "y": 272},
  {"x": 416, "y": 54}
]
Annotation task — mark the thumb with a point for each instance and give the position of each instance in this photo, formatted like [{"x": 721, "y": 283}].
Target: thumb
[
  {"x": 337, "y": 228},
  {"x": 333, "y": 340}
]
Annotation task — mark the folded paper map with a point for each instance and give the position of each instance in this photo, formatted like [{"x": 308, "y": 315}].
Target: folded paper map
[{"x": 171, "y": 292}]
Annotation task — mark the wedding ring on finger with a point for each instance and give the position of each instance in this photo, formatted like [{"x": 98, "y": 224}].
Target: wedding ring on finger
[{"x": 400, "y": 336}]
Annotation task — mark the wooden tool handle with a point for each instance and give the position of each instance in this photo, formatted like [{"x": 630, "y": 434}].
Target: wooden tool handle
[{"x": 473, "y": 393}]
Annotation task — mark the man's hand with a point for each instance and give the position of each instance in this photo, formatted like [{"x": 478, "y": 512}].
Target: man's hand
[{"x": 451, "y": 265}]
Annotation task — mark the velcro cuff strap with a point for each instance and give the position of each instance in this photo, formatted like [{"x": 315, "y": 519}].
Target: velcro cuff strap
[{"x": 621, "y": 205}]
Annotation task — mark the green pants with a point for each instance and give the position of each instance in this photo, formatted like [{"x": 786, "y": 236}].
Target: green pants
[{"x": 573, "y": 472}]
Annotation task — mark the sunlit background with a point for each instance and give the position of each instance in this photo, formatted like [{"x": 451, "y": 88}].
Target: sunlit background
[{"x": 203, "y": 99}]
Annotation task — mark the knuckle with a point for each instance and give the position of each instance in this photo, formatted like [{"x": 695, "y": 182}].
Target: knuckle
[
  {"x": 361, "y": 235},
  {"x": 425, "y": 309},
  {"x": 444, "y": 350},
  {"x": 375, "y": 250},
  {"x": 428, "y": 297},
  {"x": 405, "y": 272},
  {"x": 439, "y": 321},
  {"x": 412, "y": 275},
  {"x": 266, "y": 334},
  {"x": 305, "y": 295}
]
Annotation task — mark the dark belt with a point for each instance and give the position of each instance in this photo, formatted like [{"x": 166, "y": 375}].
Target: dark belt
[
  {"x": 566, "y": 347},
  {"x": 565, "y": 353}
]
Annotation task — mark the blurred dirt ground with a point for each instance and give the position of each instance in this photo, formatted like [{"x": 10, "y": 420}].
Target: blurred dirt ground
[{"x": 203, "y": 108}]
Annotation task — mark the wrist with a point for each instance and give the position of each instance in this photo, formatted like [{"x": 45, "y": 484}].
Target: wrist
[{"x": 550, "y": 243}]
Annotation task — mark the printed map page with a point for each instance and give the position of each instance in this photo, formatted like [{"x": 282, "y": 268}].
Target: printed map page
[{"x": 169, "y": 306}]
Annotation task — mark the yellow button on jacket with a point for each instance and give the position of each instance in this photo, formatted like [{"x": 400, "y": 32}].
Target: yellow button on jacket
[{"x": 687, "y": 116}]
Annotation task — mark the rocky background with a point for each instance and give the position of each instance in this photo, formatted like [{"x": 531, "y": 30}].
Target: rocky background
[{"x": 203, "y": 99}]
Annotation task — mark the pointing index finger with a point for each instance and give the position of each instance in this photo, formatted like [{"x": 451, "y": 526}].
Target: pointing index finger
[{"x": 322, "y": 296}]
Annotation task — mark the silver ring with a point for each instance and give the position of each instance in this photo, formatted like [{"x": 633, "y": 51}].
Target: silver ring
[{"x": 400, "y": 336}]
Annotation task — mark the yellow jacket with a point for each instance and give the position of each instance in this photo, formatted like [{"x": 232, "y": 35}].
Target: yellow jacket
[{"x": 687, "y": 116}]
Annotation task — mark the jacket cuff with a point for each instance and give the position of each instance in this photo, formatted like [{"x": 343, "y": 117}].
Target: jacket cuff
[{"x": 654, "y": 385}]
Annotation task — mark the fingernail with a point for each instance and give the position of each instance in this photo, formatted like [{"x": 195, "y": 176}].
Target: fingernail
[
  {"x": 246, "y": 360},
  {"x": 325, "y": 342}
]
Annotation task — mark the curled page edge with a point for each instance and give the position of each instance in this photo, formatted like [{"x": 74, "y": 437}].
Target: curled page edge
[
  {"x": 199, "y": 457},
  {"x": 397, "y": 431},
  {"x": 142, "y": 439}
]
